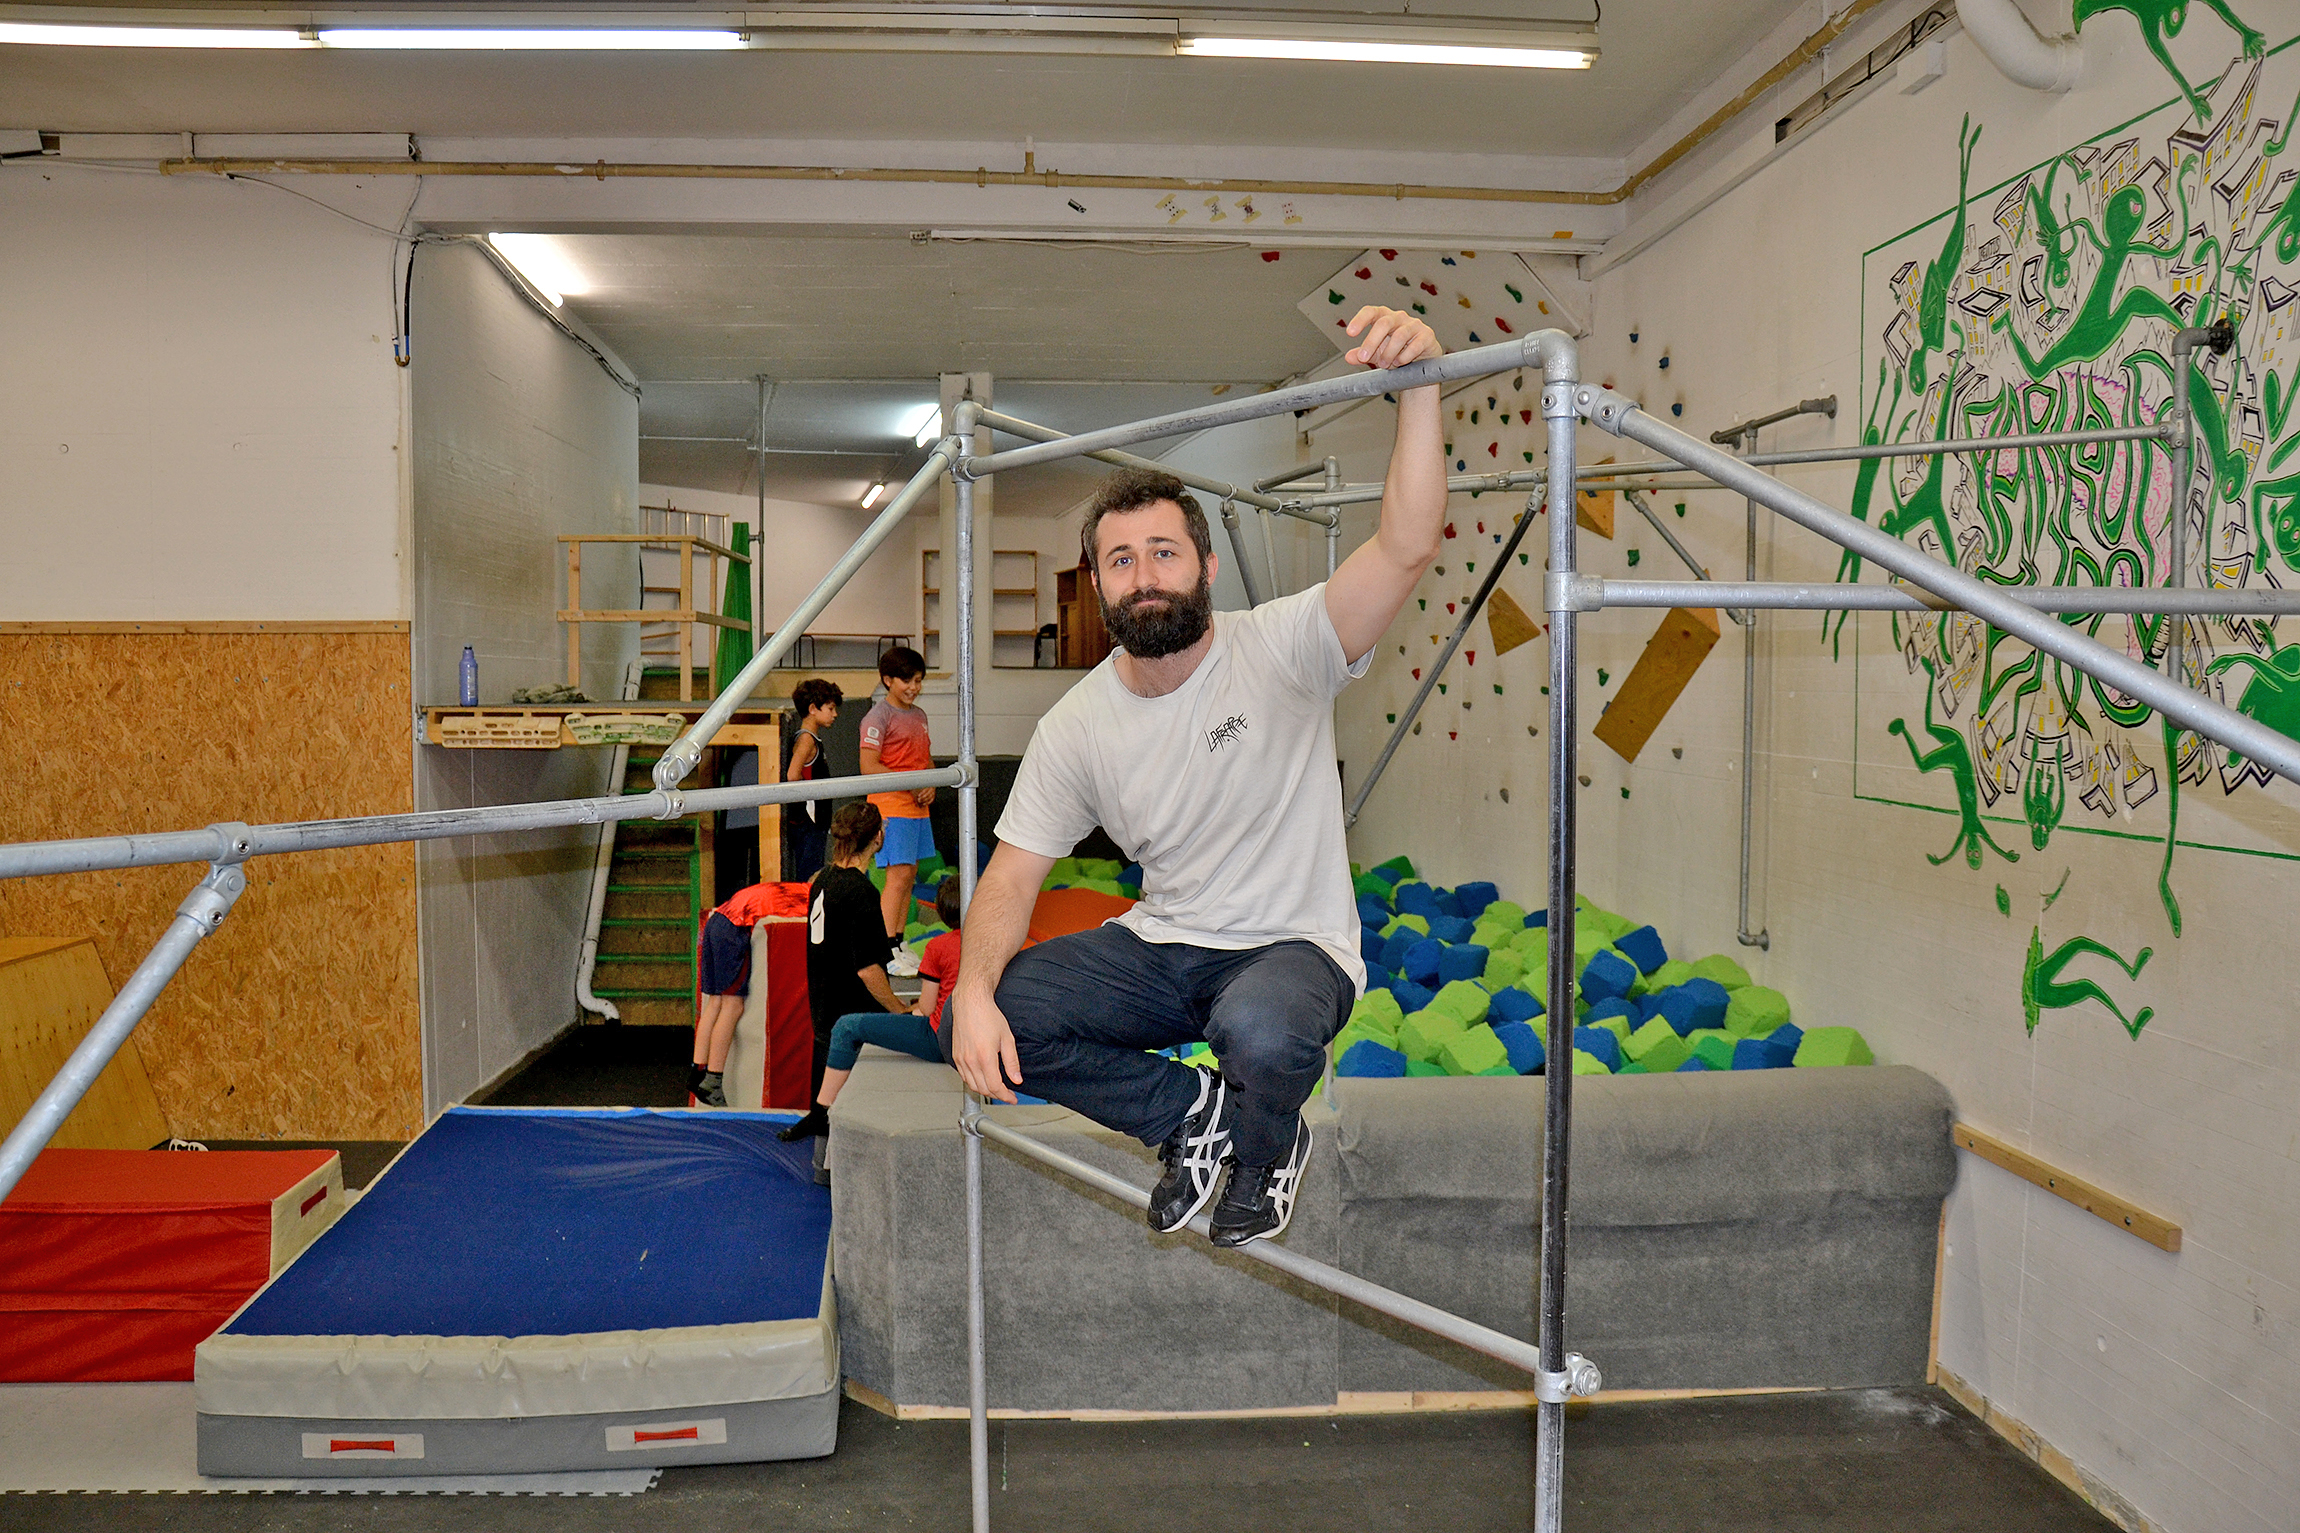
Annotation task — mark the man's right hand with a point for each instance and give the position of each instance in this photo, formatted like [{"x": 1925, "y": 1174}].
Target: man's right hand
[{"x": 982, "y": 1047}]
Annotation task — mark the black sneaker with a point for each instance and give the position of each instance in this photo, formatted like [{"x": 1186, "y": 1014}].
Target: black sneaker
[
  {"x": 817, "y": 1123},
  {"x": 1193, "y": 1156},
  {"x": 695, "y": 1074},
  {"x": 1260, "y": 1199},
  {"x": 711, "y": 1091}
]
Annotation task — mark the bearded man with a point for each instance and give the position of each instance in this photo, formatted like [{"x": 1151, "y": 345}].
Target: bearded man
[{"x": 1205, "y": 746}]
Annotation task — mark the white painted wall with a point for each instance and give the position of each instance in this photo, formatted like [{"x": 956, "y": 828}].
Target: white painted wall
[
  {"x": 2172, "y": 1381},
  {"x": 518, "y": 437},
  {"x": 199, "y": 413}
]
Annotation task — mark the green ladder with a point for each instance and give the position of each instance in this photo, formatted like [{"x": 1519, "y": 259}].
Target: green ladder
[{"x": 653, "y": 915}]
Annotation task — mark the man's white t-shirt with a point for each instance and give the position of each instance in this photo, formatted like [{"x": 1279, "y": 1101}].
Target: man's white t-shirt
[{"x": 1224, "y": 790}]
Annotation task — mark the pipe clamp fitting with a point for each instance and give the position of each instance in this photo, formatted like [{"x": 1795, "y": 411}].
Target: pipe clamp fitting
[
  {"x": 1579, "y": 1378},
  {"x": 234, "y": 842},
  {"x": 1557, "y": 400},
  {"x": 673, "y": 768},
  {"x": 1573, "y": 593},
  {"x": 674, "y": 804},
  {"x": 1607, "y": 410},
  {"x": 212, "y": 898}
]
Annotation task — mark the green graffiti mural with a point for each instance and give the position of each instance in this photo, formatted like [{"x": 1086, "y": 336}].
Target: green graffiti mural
[
  {"x": 2048, "y": 303},
  {"x": 2042, "y": 989},
  {"x": 2162, "y": 19}
]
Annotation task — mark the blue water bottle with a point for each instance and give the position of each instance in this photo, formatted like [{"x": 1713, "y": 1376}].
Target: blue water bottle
[{"x": 468, "y": 679}]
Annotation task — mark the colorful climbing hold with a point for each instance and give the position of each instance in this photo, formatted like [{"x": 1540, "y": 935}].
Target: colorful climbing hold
[
  {"x": 1365, "y": 273},
  {"x": 1678, "y": 408},
  {"x": 1514, "y": 294},
  {"x": 1504, "y": 324},
  {"x": 1332, "y": 296},
  {"x": 1473, "y": 335},
  {"x": 1271, "y": 255},
  {"x": 1665, "y": 363},
  {"x": 1681, "y": 510},
  {"x": 1633, "y": 556},
  {"x": 1389, "y": 255},
  {"x": 1603, "y": 676},
  {"x": 1430, "y": 288},
  {"x": 1418, "y": 309}
]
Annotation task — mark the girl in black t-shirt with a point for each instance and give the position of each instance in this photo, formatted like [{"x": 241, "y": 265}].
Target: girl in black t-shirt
[{"x": 847, "y": 945}]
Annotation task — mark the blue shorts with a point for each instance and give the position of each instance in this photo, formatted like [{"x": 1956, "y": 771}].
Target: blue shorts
[
  {"x": 908, "y": 839},
  {"x": 724, "y": 958}
]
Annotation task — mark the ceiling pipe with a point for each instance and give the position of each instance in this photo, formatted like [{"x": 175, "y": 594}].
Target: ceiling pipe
[{"x": 2006, "y": 36}]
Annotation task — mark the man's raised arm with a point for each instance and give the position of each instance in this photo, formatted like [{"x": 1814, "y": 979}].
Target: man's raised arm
[
  {"x": 981, "y": 1044},
  {"x": 1373, "y": 583}
]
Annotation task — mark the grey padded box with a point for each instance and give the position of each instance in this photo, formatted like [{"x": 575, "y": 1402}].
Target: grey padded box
[{"x": 1736, "y": 1230}]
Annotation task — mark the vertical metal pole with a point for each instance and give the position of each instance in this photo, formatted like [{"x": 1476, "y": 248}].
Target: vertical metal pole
[
  {"x": 1246, "y": 575},
  {"x": 759, "y": 538},
  {"x": 1333, "y": 528},
  {"x": 2183, "y": 465},
  {"x": 1742, "y": 933},
  {"x": 202, "y": 911},
  {"x": 959, "y": 617},
  {"x": 1564, "y": 764},
  {"x": 1270, "y": 552}
]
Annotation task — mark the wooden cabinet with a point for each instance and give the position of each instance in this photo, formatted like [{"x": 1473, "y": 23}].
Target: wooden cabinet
[{"x": 1083, "y": 641}]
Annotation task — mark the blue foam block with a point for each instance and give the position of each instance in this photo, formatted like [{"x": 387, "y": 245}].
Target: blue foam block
[
  {"x": 1421, "y": 965},
  {"x": 1783, "y": 1041},
  {"x": 1131, "y": 875},
  {"x": 1401, "y": 943},
  {"x": 1373, "y": 912},
  {"x": 1537, "y": 917},
  {"x": 1756, "y": 1054},
  {"x": 1510, "y": 1004},
  {"x": 1695, "y": 1063},
  {"x": 1368, "y": 1058},
  {"x": 1524, "y": 1044},
  {"x": 1410, "y": 996},
  {"x": 1679, "y": 1007},
  {"x": 1419, "y": 900},
  {"x": 1609, "y": 976},
  {"x": 1450, "y": 904},
  {"x": 1613, "y": 1006},
  {"x": 1643, "y": 947},
  {"x": 1475, "y": 897},
  {"x": 1451, "y": 929},
  {"x": 1465, "y": 961},
  {"x": 1709, "y": 999},
  {"x": 1370, "y": 944},
  {"x": 1378, "y": 978},
  {"x": 1387, "y": 875},
  {"x": 1599, "y": 1043},
  {"x": 1648, "y": 1006}
]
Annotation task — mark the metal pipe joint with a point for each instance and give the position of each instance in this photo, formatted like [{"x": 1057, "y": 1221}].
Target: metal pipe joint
[
  {"x": 1578, "y": 1378},
  {"x": 213, "y": 896},
  {"x": 1573, "y": 592}
]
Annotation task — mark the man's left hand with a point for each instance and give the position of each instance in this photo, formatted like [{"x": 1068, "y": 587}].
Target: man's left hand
[{"x": 1390, "y": 338}]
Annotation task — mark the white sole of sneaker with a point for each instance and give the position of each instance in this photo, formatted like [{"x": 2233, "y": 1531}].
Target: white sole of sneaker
[{"x": 1285, "y": 1187}]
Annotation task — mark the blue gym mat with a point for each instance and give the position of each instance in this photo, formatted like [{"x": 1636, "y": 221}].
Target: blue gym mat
[{"x": 563, "y": 1221}]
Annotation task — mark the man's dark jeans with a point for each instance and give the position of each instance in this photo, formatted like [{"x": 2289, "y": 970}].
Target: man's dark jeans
[{"x": 1085, "y": 1009}]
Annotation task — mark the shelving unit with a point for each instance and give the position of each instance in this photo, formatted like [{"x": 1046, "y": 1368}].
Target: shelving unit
[{"x": 1013, "y": 582}]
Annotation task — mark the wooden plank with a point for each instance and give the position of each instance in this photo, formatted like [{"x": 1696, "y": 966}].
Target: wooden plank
[
  {"x": 1672, "y": 655},
  {"x": 574, "y": 628},
  {"x": 1510, "y": 624},
  {"x": 1593, "y": 509},
  {"x": 217, "y": 627},
  {"x": 657, "y": 540},
  {"x": 52, "y": 990},
  {"x": 2153, "y": 1228},
  {"x": 1940, "y": 1272},
  {"x": 1400, "y": 1402}
]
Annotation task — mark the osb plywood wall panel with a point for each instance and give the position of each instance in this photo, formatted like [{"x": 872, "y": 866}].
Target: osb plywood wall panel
[
  {"x": 52, "y": 990},
  {"x": 299, "y": 1018}
]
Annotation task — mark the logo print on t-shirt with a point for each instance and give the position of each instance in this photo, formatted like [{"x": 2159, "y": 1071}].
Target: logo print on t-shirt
[{"x": 1226, "y": 731}]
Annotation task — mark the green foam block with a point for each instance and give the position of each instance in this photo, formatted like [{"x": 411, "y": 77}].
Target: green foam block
[
  {"x": 1503, "y": 969},
  {"x": 1423, "y": 1067},
  {"x": 1634, "y": 1067},
  {"x": 1657, "y": 1047},
  {"x": 1834, "y": 1046},
  {"x": 1532, "y": 944},
  {"x": 1380, "y": 1008},
  {"x": 1424, "y": 1034},
  {"x": 1367, "y": 883},
  {"x": 1504, "y": 913},
  {"x": 1474, "y": 1051},
  {"x": 1500, "y": 1069},
  {"x": 1357, "y": 1032},
  {"x": 1617, "y": 1026},
  {"x": 1699, "y": 1035},
  {"x": 1465, "y": 999},
  {"x": 1756, "y": 1010},
  {"x": 1588, "y": 942},
  {"x": 1604, "y": 922},
  {"x": 1417, "y": 923},
  {"x": 1493, "y": 934},
  {"x": 1586, "y": 1063},
  {"x": 1723, "y": 970},
  {"x": 1717, "y": 1049},
  {"x": 1675, "y": 972},
  {"x": 1402, "y": 866}
]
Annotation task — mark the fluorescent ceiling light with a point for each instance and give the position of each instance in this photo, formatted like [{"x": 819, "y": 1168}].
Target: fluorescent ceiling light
[
  {"x": 540, "y": 260},
  {"x": 870, "y": 496},
  {"x": 684, "y": 39},
  {"x": 1360, "y": 51},
  {"x": 927, "y": 426},
  {"x": 150, "y": 37}
]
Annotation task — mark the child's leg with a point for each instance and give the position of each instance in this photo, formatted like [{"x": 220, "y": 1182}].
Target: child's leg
[
  {"x": 729, "y": 1012},
  {"x": 894, "y": 902}
]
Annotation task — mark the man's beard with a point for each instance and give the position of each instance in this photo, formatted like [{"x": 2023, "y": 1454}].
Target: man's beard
[{"x": 1151, "y": 632}]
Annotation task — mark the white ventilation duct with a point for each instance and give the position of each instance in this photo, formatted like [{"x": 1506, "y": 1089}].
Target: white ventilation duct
[{"x": 2012, "y": 44}]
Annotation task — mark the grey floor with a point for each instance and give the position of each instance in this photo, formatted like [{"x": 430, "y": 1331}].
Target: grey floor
[{"x": 1857, "y": 1461}]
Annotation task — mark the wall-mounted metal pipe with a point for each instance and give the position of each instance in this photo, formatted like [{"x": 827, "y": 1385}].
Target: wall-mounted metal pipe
[
  {"x": 1592, "y": 594},
  {"x": 1734, "y": 433},
  {"x": 2007, "y": 39},
  {"x": 2219, "y": 338}
]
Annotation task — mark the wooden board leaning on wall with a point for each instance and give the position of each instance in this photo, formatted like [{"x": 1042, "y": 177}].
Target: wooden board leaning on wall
[{"x": 299, "y": 1017}]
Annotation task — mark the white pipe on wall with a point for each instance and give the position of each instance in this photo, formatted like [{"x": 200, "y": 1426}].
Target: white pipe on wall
[{"x": 2010, "y": 40}]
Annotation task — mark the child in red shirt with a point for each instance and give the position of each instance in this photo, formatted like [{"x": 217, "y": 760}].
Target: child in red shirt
[{"x": 723, "y": 965}]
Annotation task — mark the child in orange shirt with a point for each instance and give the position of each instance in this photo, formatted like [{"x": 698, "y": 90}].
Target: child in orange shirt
[{"x": 894, "y": 739}]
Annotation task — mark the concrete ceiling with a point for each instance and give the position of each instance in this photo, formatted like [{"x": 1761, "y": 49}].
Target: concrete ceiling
[{"x": 1654, "y": 53}]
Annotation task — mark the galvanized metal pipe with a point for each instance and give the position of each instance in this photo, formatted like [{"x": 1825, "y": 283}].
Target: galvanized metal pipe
[
  {"x": 977, "y": 1386},
  {"x": 1637, "y": 504},
  {"x": 1559, "y": 397},
  {"x": 202, "y": 911},
  {"x": 1757, "y": 939},
  {"x": 687, "y": 751},
  {"x": 2278, "y": 752},
  {"x": 2219, "y": 337},
  {"x": 1749, "y": 428},
  {"x": 1478, "y": 362},
  {"x": 1014, "y": 425},
  {"x": 1412, "y": 709},
  {"x": 1246, "y": 576},
  {"x": 1593, "y": 594},
  {"x": 231, "y": 843},
  {"x": 1414, "y": 1312}
]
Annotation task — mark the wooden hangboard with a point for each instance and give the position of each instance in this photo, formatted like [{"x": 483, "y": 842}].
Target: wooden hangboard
[
  {"x": 52, "y": 990},
  {"x": 299, "y": 1018}
]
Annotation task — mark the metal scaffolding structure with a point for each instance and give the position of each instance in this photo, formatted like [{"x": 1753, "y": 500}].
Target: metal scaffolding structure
[{"x": 1566, "y": 402}]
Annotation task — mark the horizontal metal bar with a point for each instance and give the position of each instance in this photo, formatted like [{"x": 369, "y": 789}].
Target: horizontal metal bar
[
  {"x": 230, "y": 843},
  {"x": 1016, "y": 426},
  {"x": 2135, "y": 600},
  {"x": 1398, "y": 1306},
  {"x": 1734, "y": 433},
  {"x": 1294, "y": 475},
  {"x": 1478, "y": 362},
  {"x": 2276, "y": 751}
]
